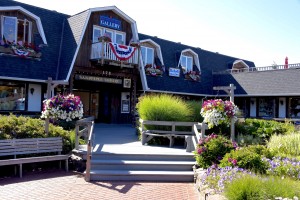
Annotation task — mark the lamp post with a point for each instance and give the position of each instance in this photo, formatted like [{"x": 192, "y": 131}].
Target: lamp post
[{"x": 230, "y": 91}]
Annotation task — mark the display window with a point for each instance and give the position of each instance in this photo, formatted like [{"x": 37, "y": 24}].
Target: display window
[
  {"x": 266, "y": 107},
  {"x": 294, "y": 109},
  {"x": 12, "y": 96}
]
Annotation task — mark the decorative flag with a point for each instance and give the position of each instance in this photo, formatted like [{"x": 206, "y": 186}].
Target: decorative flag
[{"x": 122, "y": 52}]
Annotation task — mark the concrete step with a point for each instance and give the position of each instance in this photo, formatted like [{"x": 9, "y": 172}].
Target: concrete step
[
  {"x": 143, "y": 156},
  {"x": 135, "y": 175},
  {"x": 142, "y": 165}
]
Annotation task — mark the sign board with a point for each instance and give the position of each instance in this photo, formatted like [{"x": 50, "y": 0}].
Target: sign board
[
  {"x": 98, "y": 79},
  {"x": 125, "y": 102},
  {"x": 174, "y": 72},
  {"x": 127, "y": 83},
  {"x": 110, "y": 23}
]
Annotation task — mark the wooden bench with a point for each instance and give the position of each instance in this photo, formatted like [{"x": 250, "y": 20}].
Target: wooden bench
[
  {"x": 148, "y": 134},
  {"x": 40, "y": 146}
]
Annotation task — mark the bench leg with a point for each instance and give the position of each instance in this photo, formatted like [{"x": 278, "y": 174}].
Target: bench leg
[
  {"x": 144, "y": 138},
  {"x": 67, "y": 165},
  {"x": 171, "y": 141},
  {"x": 20, "y": 170},
  {"x": 188, "y": 143}
]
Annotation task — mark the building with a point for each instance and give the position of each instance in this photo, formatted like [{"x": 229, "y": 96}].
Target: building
[{"x": 99, "y": 55}]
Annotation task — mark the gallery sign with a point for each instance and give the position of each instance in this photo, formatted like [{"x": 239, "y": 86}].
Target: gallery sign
[
  {"x": 110, "y": 23},
  {"x": 98, "y": 79},
  {"x": 174, "y": 72}
]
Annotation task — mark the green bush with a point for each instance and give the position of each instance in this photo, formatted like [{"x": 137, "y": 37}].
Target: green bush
[
  {"x": 247, "y": 158},
  {"x": 245, "y": 188},
  {"x": 264, "y": 129},
  {"x": 210, "y": 151},
  {"x": 256, "y": 188},
  {"x": 285, "y": 145},
  {"x": 163, "y": 107},
  {"x": 12, "y": 126}
]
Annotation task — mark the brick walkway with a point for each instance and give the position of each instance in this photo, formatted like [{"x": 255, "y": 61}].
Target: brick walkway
[{"x": 61, "y": 185}]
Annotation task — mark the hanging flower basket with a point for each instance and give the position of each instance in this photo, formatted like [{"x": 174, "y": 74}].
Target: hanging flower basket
[
  {"x": 62, "y": 107},
  {"x": 217, "y": 111}
]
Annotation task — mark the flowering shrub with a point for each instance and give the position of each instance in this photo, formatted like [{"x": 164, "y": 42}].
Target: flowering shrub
[
  {"x": 246, "y": 158},
  {"x": 63, "y": 107},
  {"x": 283, "y": 167},
  {"x": 217, "y": 111},
  {"x": 217, "y": 178},
  {"x": 210, "y": 151}
]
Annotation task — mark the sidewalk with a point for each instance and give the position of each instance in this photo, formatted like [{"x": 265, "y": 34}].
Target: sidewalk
[
  {"x": 61, "y": 185},
  {"x": 56, "y": 184}
]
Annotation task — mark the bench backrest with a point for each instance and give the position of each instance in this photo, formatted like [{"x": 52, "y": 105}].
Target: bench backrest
[
  {"x": 171, "y": 124},
  {"x": 30, "y": 146}
]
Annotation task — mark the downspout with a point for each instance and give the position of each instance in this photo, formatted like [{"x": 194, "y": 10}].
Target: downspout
[{"x": 60, "y": 49}]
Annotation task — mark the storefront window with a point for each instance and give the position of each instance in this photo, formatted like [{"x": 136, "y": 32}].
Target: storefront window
[
  {"x": 294, "y": 111},
  {"x": 266, "y": 107},
  {"x": 12, "y": 95}
]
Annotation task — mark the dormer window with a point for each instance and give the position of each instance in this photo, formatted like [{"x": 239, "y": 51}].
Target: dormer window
[
  {"x": 186, "y": 63},
  {"x": 16, "y": 30},
  {"x": 147, "y": 55}
]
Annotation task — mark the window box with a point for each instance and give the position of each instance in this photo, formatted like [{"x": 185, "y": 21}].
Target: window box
[
  {"x": 153, "y": 71},
  {"x": 193, "y": 75}
]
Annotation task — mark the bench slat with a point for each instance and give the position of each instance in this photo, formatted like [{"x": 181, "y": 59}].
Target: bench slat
[{"x": 33, "y": 159}]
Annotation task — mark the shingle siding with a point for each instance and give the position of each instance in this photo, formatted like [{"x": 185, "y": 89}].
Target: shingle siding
[{"x": 209, "y": 62}]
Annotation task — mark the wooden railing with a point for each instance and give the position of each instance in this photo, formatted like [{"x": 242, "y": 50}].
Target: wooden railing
[
  {"x": 85, "y": 127},
  {"x": 259, "y": 69},
  {"x": 190, "y": 136},
  {"x": 102, "y": 51},
  {"x": 198, "y": 135}
]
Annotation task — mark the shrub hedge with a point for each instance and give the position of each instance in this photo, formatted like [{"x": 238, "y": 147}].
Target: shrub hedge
[{"x": 12, "y": 126}]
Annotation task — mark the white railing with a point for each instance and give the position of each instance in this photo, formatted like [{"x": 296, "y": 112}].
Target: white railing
[
  {"x": 259, "y": 69},
  {"x": 102, "y": 50}
]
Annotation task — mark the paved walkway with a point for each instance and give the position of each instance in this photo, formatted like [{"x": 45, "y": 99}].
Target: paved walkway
[{"x": 60, "y": 185}]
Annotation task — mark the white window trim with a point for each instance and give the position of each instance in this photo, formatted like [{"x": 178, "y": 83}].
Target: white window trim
[
  {"x": 147, "y": 55},
  {"x": 195, "y": 58},
  {"x": 114, "y": 32},
  {"x": 157, "y": 48},
  {"x": 2, "y": 27},
  {"x": 36, "y": 18},
  {"x": 187, "y": 57},
  {"x": 239, "y": 61}
]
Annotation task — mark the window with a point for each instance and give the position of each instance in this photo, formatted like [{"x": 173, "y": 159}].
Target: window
[
  {"x": 12, "y": 95},
  {"x": 14, "y": 29},
  {"x": 96, "y": 34},
  {"x": 186, "y": 63},
  {"x": 115, "y": 36},
  {"x": 147, "y": 55}
]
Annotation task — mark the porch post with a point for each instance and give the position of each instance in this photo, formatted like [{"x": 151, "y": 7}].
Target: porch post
[{"x": 49, "y": 82}]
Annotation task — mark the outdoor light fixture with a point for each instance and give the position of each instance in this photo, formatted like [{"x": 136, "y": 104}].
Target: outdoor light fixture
[
  {"x": 32, "y": 90},
  {"x": 281, "y": 102},
  {"x": 252, "y": 102}
]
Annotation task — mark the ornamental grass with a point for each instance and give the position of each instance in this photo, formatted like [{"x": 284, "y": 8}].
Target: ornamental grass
[
  {"x": 163, "y": 107},
  {"x": 285, "y": 145}
]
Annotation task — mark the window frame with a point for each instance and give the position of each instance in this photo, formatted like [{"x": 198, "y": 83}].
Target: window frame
[
  {"x": 113, "y": 32},
  {"x": 26, "y": 31},
  {"x": 146, "y": 55},
  {"x": 186, "y": 62}
]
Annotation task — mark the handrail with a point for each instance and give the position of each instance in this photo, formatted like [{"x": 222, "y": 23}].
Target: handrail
[
  {"x": 89, "y": 152},
  {"x": 198, "y": 135},
  {"x": 260, "y": 69},
  {"x": 102, "y": 50},
  {"x": 82, "y": 123}
]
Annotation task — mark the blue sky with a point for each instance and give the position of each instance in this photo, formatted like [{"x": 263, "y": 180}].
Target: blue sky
[{"x": 263, "y": 31}]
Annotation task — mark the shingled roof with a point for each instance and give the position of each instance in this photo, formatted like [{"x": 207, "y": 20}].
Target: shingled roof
[
  {"x": 34, "y": 70},
  {"x": 283, "y": 82},
  {"x": 209, "y": 62}
]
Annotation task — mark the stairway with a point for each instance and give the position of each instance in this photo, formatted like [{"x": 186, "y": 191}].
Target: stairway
[{"x": 144, "y": 164}]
